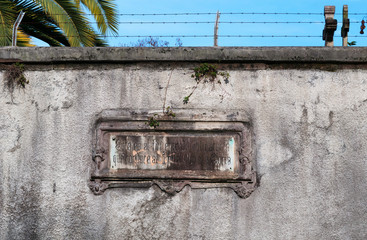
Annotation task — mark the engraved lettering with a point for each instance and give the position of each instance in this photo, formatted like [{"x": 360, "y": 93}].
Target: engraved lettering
[{"x": 150, "y": 152}]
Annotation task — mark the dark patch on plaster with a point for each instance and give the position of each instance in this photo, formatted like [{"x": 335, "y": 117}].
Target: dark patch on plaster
[
  {"x": 16, "y": 147},
  {"x": 25, "y": 212},
  {"x": 231, "y": 116},
  {"x": 304, "y": 125},
  {"x": 66, "y": 104},
  {"x": 149, "y": 210},
  {"x": 312, "y": 80},
  {"x": 36, "y": 105},
  {"x": 317, "y": 99},
  {"x": 304, "y": 115},
  {"x": 331, "y": 119},
  {"x": 17, "y": 144}
]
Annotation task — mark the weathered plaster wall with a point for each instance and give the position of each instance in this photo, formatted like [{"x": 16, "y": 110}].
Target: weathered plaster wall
[{"x": 307, "y": 106}]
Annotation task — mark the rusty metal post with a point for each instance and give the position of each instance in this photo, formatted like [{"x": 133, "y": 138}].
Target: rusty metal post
[
  {"x": 345, "y": 28},
  {"x": 330, "y": 26},
  {"x": 15, "y": 28},
  {"x": 216, "y": 30}
]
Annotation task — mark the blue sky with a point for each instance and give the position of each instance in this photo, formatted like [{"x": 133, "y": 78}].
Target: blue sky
[
  {"x": 190, "y": 6},
  {"x": 212, "y": 6}
]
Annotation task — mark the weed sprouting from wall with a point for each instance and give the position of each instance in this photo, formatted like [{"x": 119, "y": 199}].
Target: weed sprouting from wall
[
  {"x": 153, "y": 121},
  {"x": 166, "y": 111},
  {"x": 14, "y": 78},
  {"x": 206, "y": 73}
]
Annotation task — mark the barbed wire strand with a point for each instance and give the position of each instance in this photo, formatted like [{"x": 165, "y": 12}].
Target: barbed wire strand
[
  {"x": 210, "y": 36},
  {"x": 206, "y": 36},
  {"x": 213, "y": 13},
  {"x": 233, "y": 22},
  {"x": 198, "y": 22},
  {"x": 210, "y": 22}
]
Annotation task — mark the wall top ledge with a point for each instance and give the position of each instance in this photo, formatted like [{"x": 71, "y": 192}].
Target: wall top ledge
[{"x": 184, "y": 54}]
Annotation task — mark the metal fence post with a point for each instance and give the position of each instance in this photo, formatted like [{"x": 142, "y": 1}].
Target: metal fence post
[
  {"x": 15, "y": 28},
  {"x": 216, "y": 30}
]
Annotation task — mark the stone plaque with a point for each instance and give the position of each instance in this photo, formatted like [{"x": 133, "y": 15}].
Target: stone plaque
[
  {"x": 174, "y": 151},
  {"x": 196, "y": 152}
]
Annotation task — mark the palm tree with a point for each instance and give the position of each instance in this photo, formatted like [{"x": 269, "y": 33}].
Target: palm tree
[{"x": 58, "y": 22}]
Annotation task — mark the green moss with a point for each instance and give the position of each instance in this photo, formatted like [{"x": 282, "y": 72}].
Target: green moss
[{"x": 206, "y": 73}]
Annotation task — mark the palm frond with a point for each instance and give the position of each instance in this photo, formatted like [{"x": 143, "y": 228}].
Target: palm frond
[
  {"x": 7, "y": 19},
  {"x": 33, "y": 10},
  {"x": 86, "y": 34},
  {"x": 23, "y": 40},
  {"x": 56, "y": 10},
  {"x": 58, "y": 22},
  {"x": 99, "y": 42},
  {"x": 37, "y": 24},
  {"x": 105, "y": 14},
  {"x": 45, "y": 35}
]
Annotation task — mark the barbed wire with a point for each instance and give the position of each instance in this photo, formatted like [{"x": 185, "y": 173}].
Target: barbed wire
[
  {"x": 210, "y": 36},
  {"x": 234, "y": 22},
  {"x": 200, "y": 22},
  {"x": 353, "y": 36},
  {"x": 210, "y": 22},
  {"x": 202, "y": 13},
  {"x": 212, "y": 13},
  {"x": 223, "y": 36}
]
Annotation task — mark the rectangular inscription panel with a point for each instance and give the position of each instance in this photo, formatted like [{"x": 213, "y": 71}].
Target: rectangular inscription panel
[
  {"x": 174, "y": 151},
  {"x": 202, "y": 153}
]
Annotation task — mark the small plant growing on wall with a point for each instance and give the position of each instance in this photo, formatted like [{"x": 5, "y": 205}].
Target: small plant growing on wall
[
  {"x": 166, "y": 111},
  {"x": 206, "y": 73},
  {"x": 169, "y": 112},
  {"x": 14, "y": 77},
  {"x": 153, "y": 121}
]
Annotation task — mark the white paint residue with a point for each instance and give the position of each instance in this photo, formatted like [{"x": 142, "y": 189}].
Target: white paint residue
[
  {"x": 227, "y": 163},
  {"x": 230, "y": 162},
  {"x": 113, "y": 155}
]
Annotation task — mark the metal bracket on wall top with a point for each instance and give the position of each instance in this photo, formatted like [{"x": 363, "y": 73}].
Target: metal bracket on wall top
[
  {"x": 330, "y": 26},
  {"x": 345, "y": 27}
]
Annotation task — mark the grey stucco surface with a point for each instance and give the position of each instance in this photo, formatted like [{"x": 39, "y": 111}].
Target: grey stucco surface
[
  {"x": 311, "y": 153},
  {"x": 186, "y": 54}
]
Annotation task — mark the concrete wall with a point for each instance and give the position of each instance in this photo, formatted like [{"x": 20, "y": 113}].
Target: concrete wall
[{"x": 307, "y": 107}]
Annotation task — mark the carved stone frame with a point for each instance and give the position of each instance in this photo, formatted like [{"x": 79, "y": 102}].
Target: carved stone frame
[{"x": 204, "y": 120}]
